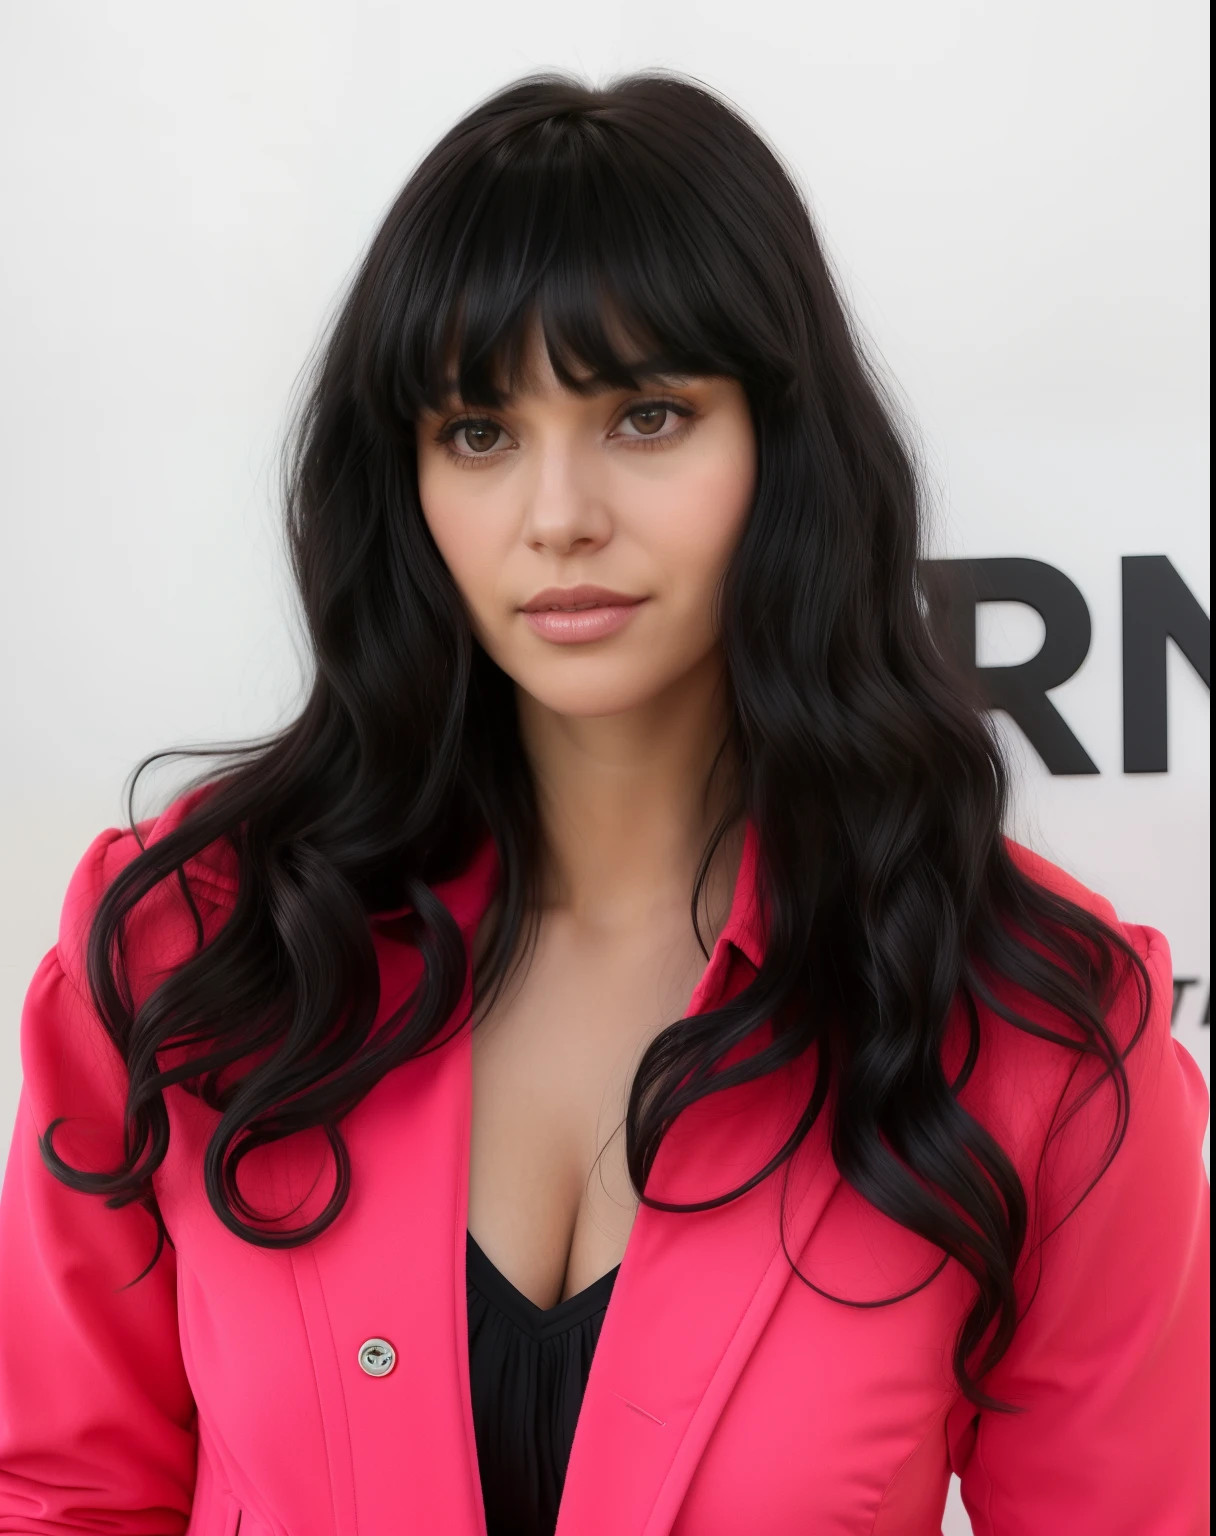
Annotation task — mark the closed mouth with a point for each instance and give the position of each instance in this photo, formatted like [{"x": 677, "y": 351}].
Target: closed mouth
[{"x": 577, "y": 600}]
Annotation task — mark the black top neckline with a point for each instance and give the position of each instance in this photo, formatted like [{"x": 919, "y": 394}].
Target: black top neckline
[
  {"x": 537, "y": 1322},
  {"x": 528, "y": 1371}
]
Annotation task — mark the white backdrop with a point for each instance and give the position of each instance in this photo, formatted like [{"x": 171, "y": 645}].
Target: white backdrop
[{"x": 1015, "y": 198}]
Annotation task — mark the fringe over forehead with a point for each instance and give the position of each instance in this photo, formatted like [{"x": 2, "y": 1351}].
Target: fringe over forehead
[{"x": 633, "y": 224}]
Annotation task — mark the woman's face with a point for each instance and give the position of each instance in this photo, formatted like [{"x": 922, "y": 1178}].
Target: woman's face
[{"x": 587, "y": 534}]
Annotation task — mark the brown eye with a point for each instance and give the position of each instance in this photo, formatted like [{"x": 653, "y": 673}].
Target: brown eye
[
  {"x": 649, "y": 419},
  {"x": 479, "y": 436}
]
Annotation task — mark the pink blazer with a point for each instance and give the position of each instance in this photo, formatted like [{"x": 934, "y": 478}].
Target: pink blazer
[{"x": 225, "y": 1390}]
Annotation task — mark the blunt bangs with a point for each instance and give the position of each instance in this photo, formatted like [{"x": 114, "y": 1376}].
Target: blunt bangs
[{"x": 584, "y": 225}]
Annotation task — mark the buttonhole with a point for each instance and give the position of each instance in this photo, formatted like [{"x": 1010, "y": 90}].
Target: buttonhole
[{"x": 662, "y": 1423}]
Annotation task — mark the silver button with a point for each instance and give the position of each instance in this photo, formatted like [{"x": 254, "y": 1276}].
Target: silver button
[{"x": 377, "y": 1357}]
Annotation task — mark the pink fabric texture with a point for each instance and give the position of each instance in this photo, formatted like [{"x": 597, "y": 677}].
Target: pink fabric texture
[{"x": 725, "y": 1395}]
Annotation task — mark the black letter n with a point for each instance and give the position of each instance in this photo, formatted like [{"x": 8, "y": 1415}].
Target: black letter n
[{"x": 1157, "y": 605}]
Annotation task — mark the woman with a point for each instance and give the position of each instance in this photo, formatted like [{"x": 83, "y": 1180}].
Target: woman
[{"x": 627, "y": 915}]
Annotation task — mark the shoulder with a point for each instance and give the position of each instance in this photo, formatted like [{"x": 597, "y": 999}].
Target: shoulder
[
  {"x": 1038, "y": 1084},
  {"x": 1059, "y": 882},
  {"x": 71, "y": 1067},
  {"x": 1141, "y": 957},
  {"x": 163, "y": 918},
  {"x": 1137, "y": 943}
]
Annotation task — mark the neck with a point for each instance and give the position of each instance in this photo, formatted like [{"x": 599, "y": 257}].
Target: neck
[{"x": 628, "y": 802}]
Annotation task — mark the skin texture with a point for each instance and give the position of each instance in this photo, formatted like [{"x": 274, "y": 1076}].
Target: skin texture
[{"x": 645, "y": 494}]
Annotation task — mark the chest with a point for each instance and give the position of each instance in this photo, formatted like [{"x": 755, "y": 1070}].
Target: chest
[{"x": 553, "y": 1060}]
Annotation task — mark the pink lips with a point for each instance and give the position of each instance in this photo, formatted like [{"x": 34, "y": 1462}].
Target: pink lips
[{"x": 575, "y": 615}]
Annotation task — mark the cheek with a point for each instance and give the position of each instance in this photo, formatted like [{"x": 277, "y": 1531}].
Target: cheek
[
  {"x": 696, "y": 524},
  {"x": 468, "y": 541}
]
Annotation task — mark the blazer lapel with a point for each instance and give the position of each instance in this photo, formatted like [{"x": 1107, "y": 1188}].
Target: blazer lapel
[
  {"x": 400, "y": 1449},
  {"x": 695, "y": 1291},
  {"x": 692, "y": 1298},
  {"x": 392, "y": 1267}
]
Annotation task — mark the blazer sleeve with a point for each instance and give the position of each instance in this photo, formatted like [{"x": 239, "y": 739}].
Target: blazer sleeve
[
  {"x": 1109, "y": 1365},
  {"x": 97, "y": 1422}
]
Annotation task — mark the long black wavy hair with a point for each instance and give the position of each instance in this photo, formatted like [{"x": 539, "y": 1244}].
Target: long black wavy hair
[{"x": 649, "y": 210}]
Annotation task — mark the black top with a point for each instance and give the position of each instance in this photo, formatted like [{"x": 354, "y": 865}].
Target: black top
[{"x": 528, "y": 1367}]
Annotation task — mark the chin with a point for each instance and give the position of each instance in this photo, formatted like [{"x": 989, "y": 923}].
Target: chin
[{"x": 586, "y": 693}]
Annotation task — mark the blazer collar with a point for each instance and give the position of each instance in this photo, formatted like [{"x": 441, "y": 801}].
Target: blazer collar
[{"x": 747, "y": 925}]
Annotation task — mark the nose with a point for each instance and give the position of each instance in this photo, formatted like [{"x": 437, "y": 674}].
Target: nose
[{"x": 566, "y": 511}]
